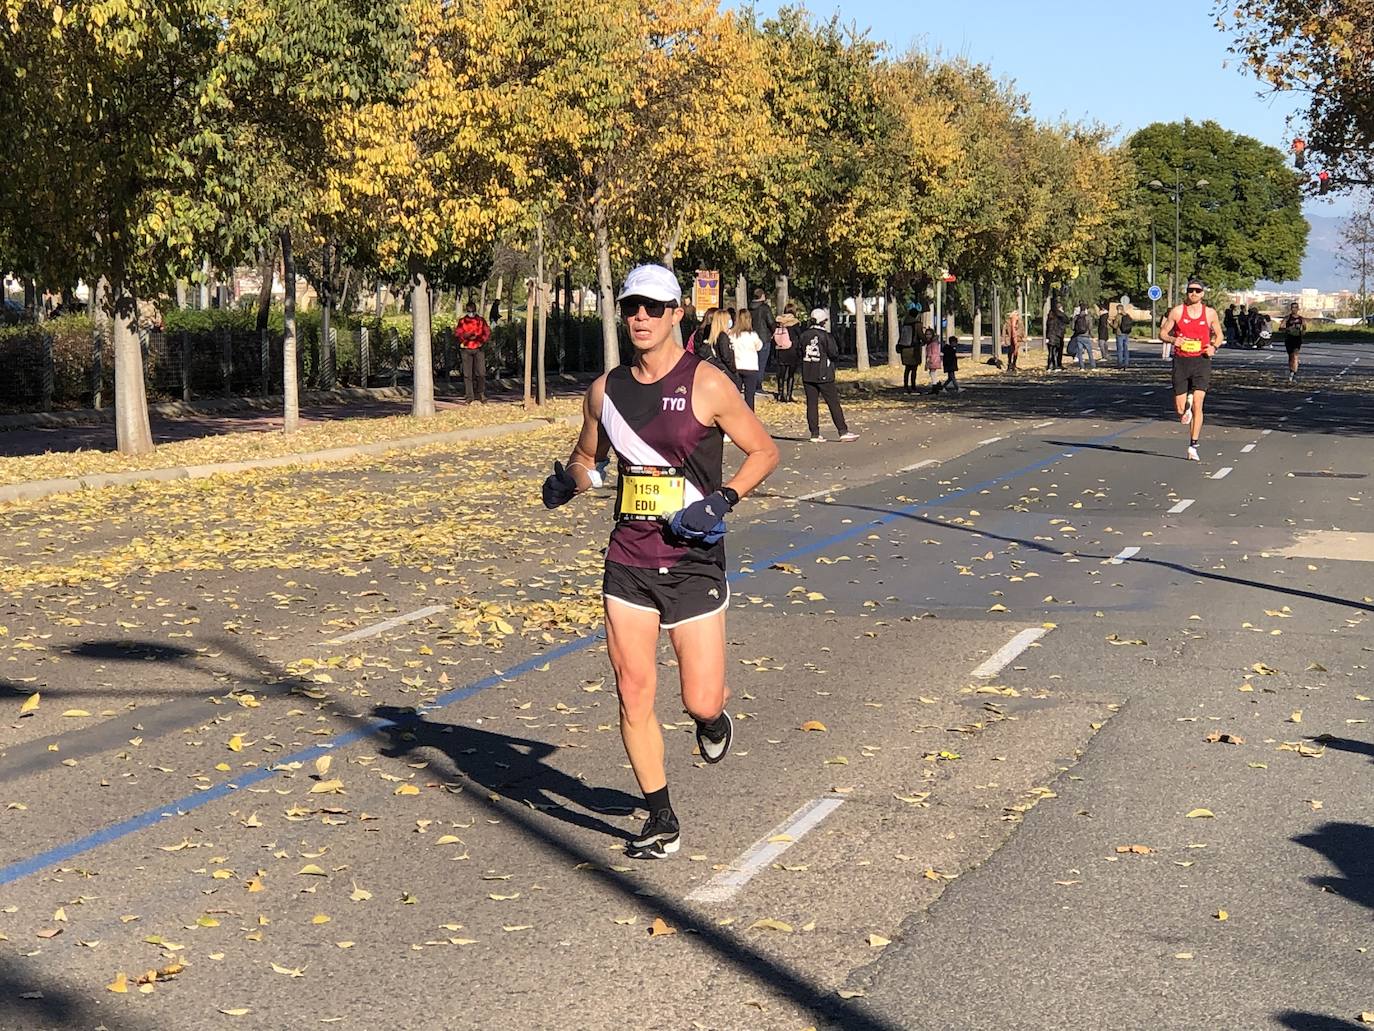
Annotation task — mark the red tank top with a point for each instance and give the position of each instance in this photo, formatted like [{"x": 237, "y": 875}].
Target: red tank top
[{"x": 1192, "y": 334}]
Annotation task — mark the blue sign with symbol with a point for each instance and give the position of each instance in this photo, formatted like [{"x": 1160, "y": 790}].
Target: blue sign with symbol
[{"x": 1154, "y": 293}]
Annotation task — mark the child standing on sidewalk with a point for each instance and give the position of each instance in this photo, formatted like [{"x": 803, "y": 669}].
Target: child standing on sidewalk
[{"x": 949, "y": 356}]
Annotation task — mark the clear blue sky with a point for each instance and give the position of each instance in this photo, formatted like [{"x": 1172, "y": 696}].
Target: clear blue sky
[{"x": 1124, "y": 66}]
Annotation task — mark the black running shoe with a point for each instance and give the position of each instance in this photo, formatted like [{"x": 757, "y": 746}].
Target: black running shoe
[
  {"x": 713, "y": 739},
  {"x": 658, "y": 839}
]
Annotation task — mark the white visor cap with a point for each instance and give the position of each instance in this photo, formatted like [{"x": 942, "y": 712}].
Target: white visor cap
[{"x": 652, "y": 281}]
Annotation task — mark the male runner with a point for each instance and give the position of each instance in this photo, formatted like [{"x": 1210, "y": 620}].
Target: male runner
[
  {"x": 1194, "y": 330},
  {"x": 665, "y": 567},
  {"x": 1294, "y": 326}
]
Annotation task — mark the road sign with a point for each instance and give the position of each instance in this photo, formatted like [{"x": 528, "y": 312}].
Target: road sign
[
  {"x": 706, "y": 290},
  {"x": 1125, "y": 299},
  {"x": 1155, "y": 293}
]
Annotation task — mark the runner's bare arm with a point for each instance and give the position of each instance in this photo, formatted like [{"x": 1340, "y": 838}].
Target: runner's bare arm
[
  {"x": 592, "y": 444},
  {"x": 1166, "y": 328},
  {"x": 716, "y": 400}
]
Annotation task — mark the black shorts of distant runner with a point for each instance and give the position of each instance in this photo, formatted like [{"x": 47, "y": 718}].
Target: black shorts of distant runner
[{"x": 1192, "y": 374}]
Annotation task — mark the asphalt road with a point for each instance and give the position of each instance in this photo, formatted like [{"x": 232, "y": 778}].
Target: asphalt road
[{"x": 1011, "y": 620}]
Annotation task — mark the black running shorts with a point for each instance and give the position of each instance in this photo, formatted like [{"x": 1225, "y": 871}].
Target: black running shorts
[
  {"x": 1191, "y": 374},
  {"x": 1293, "y": 345},
  {"x": 679, "y": 594}
]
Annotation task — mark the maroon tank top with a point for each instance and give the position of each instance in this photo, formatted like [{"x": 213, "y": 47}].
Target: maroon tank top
[{"x": 652, "y": 424}]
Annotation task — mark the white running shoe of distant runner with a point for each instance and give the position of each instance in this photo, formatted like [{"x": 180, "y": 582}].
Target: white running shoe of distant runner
[{"x": 1192, "y": 454}]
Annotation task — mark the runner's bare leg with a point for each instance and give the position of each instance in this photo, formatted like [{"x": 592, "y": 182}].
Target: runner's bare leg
[{"x": 632, "y": 641}]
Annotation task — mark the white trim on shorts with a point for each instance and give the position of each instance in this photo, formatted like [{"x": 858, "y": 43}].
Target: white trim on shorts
[
  {"x": 705, "y": 615},
  {"x": 630, "y": 604}
]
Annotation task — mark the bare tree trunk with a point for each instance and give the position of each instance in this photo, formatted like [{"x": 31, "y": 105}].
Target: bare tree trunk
[
  {"x": 205, "y": 283},
  {"x": 541, "y": 395},
  {"x": 102, "y": 329},
  {"x": 610, "y": 345},
  {"x": 133, "y": 435},
  {"x": 267, "y": 270},
  {"x": 860, "y": 329},
  {"x": 996, "y": 321},
  {"x": 674, "y": 239},
  {"x": 422, "y": 396},
  {"x": 894, "y": 360},
  {"x": 977, "y": 323},
  {"x": 529, "y": 340},
  {"x": 741, "y": 292},
  {"x": 291, "y": 405},
  {"x": 783, "y": 288},
  {"x": 181, "y": 294},
  {"x": 327, "y": 363}
]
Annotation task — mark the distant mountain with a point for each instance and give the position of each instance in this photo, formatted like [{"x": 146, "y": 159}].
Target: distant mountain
[{"x": 1319, "y": 267}]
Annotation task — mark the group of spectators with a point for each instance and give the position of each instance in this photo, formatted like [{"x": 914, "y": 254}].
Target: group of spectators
[
  {"x": 743, "y": 343},
  {"x": 1112, "y": 320},
  {"x": 1246, "y": 327}
]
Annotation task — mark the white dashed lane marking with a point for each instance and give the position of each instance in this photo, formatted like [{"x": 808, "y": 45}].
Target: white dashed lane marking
[
  {"x": 1222, "y": 473},
  {"x": 389, "y": 624},
  {"x": 764, "y": 852},
  {"x": 1003, "y": 655},
  {"x": 1247, "y": 449},
  {"x": 1122, "y": 555}
]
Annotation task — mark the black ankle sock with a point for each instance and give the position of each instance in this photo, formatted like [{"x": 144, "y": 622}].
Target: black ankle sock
[
  {"x": 1192, "y": 443},
  {"x": 657, "y": 801},
  {"x": 713, "y": 729}
]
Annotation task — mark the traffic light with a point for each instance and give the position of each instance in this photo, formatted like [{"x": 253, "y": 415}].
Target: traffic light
[
  {"x": 1300, "y": 153},
  {"x": 1323, "y": 183}
]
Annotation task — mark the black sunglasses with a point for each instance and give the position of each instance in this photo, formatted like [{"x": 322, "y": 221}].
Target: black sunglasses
[
  {"x": 629, "y": 307},
  {"x": 1195, "y": 289}
]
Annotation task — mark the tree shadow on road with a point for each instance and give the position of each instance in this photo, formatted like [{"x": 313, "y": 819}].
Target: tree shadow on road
[
  {"x": 56, "y": 1010},
  {"x": 1049, "y": 549},
  {"x": 1349, "y": 847},
  {"x": 513, "y": 767},
  {"x": 1299, "y": 1020}
]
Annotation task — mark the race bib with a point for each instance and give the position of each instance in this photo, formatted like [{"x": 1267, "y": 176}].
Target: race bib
[
  {"x": 1187, "y": 347},
  {"x": 650, "y": 492}
]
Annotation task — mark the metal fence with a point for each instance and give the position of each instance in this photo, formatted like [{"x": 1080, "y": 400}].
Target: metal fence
[{"x": 65, "y": 365}]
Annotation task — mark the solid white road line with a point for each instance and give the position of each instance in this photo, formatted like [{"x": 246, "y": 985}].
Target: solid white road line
[
  {"x": 766, "y": 850},
  {"x": 990, "y": 440},
  {"x": 389, "y": 624},
  {"x": 1003, "y": 655},
  {"x": 1222, "y": 473},
  {"x": 1122, "y": 555},
  {"x": 1042, "y": 425},
  {"x": 918, "y": 465},
  {"x": 1182, "y": 506},
  {"x": 1247, "y": 449},
  {"x": 816, "y": 494}
]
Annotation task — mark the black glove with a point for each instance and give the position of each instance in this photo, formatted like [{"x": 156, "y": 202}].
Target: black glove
[
  {"x": 560, "y": 487},
  {"x": 702, "y": 520}
]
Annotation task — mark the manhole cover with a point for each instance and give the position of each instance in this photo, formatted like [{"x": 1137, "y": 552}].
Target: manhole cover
[{"x": 1328, "y": 475}]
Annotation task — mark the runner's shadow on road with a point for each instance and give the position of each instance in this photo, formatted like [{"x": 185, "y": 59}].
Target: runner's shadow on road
[
  {"x": 1349, "y": 848},
  {"x": 54, "y": 1008},
  {"x": 513, "y": 767}
]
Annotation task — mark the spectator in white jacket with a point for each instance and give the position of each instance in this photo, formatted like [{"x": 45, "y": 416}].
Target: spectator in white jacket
[{"x": 746, "y": 345}]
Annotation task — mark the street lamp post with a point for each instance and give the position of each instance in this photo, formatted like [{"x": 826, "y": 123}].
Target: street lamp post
[{"x": 1175, "y": 191}]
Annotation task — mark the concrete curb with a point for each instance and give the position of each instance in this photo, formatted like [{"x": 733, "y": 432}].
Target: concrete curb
[{"x": 46, "y": 488}]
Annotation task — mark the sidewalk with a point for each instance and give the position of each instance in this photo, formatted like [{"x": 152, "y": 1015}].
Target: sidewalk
[{"x": 37, "y": 433}]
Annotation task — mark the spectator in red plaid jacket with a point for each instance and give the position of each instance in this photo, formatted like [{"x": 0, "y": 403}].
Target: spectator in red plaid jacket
[{"x": 472, "y": 334}]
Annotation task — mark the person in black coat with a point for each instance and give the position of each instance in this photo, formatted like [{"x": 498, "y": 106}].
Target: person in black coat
[
  {"x": 786, "y": 359},
  {"x": 819, "y": 351}
]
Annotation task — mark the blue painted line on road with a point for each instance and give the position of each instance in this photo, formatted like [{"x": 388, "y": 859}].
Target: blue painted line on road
[{"x": 70, "y": 850}]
